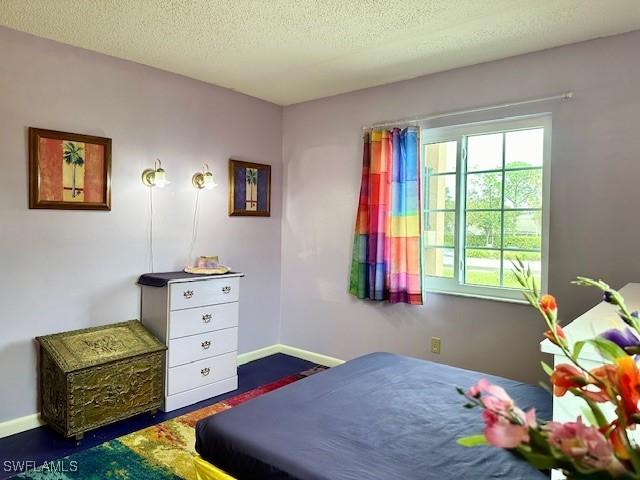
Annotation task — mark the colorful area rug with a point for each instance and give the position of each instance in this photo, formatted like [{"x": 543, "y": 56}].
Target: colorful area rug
[{"x": 161, "y": 452}]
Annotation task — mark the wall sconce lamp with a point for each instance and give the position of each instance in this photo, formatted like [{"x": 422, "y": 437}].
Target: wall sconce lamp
[
  {"x": 204, "y": 179},
  {"x": 156, "y": 176}
]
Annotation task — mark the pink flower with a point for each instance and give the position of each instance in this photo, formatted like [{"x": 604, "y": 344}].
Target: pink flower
[
  {"x": 583, "y": 444},
  {"x": 506, "y": 426},
  {"x": 503, "y": 432},
  {"x": 483, "y": 386}
]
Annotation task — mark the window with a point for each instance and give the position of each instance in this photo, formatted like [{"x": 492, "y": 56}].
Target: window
[{"x": 485, "y": 203}]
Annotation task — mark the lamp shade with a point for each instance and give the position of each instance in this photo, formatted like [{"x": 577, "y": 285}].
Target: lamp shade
[
  {"x": 160, "y": 178},
  {"x": 204, "y": 179},
  {"x": 208, "y": 180},
  {"x": 156, "y": 176}
]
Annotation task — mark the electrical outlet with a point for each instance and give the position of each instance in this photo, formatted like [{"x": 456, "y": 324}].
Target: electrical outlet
[{"x": 435, "y": 345}]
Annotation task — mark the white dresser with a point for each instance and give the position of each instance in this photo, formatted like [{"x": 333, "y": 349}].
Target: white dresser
[
  {"x": 197, "y": 318},
  {"x": 600, "y": 318}
]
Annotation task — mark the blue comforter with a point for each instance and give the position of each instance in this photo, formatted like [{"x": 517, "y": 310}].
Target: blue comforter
[{"x": 378, "y": 417}]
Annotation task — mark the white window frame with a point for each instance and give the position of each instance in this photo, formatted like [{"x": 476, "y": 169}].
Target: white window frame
[{"x": 458, "y": 133}]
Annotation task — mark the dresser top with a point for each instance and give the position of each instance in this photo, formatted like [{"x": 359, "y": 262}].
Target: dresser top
[
  {"x": 165, "y": 278},
  {"x": 600, "y": 318}
]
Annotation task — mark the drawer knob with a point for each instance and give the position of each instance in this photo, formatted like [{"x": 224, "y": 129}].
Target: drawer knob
[
  {"x": 205, "y": 371},
  {"x": 206, "y": 344},
  {"x": 188, "y": 294},
  {"x": 226, "y": 289},
  {"x": 206, "y": 318}
]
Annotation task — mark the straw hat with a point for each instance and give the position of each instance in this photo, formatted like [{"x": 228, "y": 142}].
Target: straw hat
[{"x": 208, "y": 265}]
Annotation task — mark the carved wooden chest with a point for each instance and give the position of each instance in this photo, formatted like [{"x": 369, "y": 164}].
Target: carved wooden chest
[{"x": 96, "y": 376}]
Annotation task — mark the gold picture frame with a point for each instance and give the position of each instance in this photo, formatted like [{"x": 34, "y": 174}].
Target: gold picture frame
[
  {"x": 249, "y": 189},
  {"x": 69, "y": 171}
]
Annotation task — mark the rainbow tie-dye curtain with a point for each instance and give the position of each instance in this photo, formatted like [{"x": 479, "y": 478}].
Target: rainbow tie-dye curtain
[{"x": 386, "y": 247}]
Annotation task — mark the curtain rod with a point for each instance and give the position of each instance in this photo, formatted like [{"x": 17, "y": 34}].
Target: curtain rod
[{"x": 414, "y": 120}]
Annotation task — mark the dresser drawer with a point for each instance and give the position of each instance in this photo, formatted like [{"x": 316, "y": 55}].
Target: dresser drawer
[
  {"x": 192, "y": 321},
  {"x": 202, "y": 372},
  {"x": 196, "y": 347},
  {"x": 203, "y": 292}
]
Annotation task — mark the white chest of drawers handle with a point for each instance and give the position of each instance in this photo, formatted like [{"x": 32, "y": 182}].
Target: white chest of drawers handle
[
  {"x": 203, "y": 293},
  {"x": 188, "y": 349},
  {"x": 197, "y": 320},
  {"x": 203, "y": 372}
]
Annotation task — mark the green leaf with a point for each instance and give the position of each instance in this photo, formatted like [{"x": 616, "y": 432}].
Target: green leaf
[
  {"x": 473, "y": 441},
  {"x": 533, "y": 301},
  {"x": 539, "y": 461},
  {"x": 538, "y": 442},
  {"x": 588, "y": 415},
  {"x": 577, "y": 348},
  {"x": 598, "y": 417},
  {"x": 547, "y": 369},
  {"x": 607, "y": 349},
  {"x": 634, "y": 456}
]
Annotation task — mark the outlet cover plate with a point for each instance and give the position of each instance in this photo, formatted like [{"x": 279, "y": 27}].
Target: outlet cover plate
[{"x": 435, "y": 345}]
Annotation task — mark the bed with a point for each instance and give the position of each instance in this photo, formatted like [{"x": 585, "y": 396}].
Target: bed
[{"x": 377, "y": 417}]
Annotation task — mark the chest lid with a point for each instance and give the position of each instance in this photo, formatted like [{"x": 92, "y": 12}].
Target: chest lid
[{"x": 85, "y": 348}]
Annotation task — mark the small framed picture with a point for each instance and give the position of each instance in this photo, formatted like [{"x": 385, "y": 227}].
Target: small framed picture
[
  {"x": 249, "y": 189},
  {"x": 69, "y": 171}
]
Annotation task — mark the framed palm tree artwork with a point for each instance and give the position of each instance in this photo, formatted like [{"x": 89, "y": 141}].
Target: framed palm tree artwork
[
  {"x": 249, "y": 189},
  {"x": 69, "y": 171}
]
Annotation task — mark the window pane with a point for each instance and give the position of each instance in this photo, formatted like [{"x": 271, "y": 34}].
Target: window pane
[
  {"x": 440, "y": 228},
  {"x": 482, "y": 267},
  {"x": 534, "y": 260},
  {"x": 483, "y": 229},
  {"x": 522, "y": 230},
  {"x": 484, "y": 190},
  {"x": 523, "y": 189},
  {"x": 441, "y": 157},
  {"x": 442, "y": 191},
  {"x": 484, "y": 152},
  {"x": 438, "y": 262},
  {"x": 524, "y": 148}
]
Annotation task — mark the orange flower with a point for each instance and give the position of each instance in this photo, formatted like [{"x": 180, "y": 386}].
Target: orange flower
[
  {"x": 605, "y": 373},
  {"x": 548, "y": 304},
  {"x": 628, "y": 380},
  {"x": 566, "y": 377},
  {"x": 619, "y": 442},
  {"x": 562, "y": 338},
  {"x": 598, "y": 392}
]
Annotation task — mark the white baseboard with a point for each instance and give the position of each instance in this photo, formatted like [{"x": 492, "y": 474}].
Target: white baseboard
[
  {"x": 310, "y": 356},
  {"x": 257, "y": 354},
  {"x": 22, "y": 424},
  {"x": 289, "y": 350}
]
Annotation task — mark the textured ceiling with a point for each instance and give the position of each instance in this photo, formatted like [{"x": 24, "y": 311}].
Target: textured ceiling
[{"x": 289, "y": 51}]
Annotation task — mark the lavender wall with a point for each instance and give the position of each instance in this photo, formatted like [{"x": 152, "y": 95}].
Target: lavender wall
[
  {"x": 63, "y": 270},
  {"x": 594, "y": 175}
]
